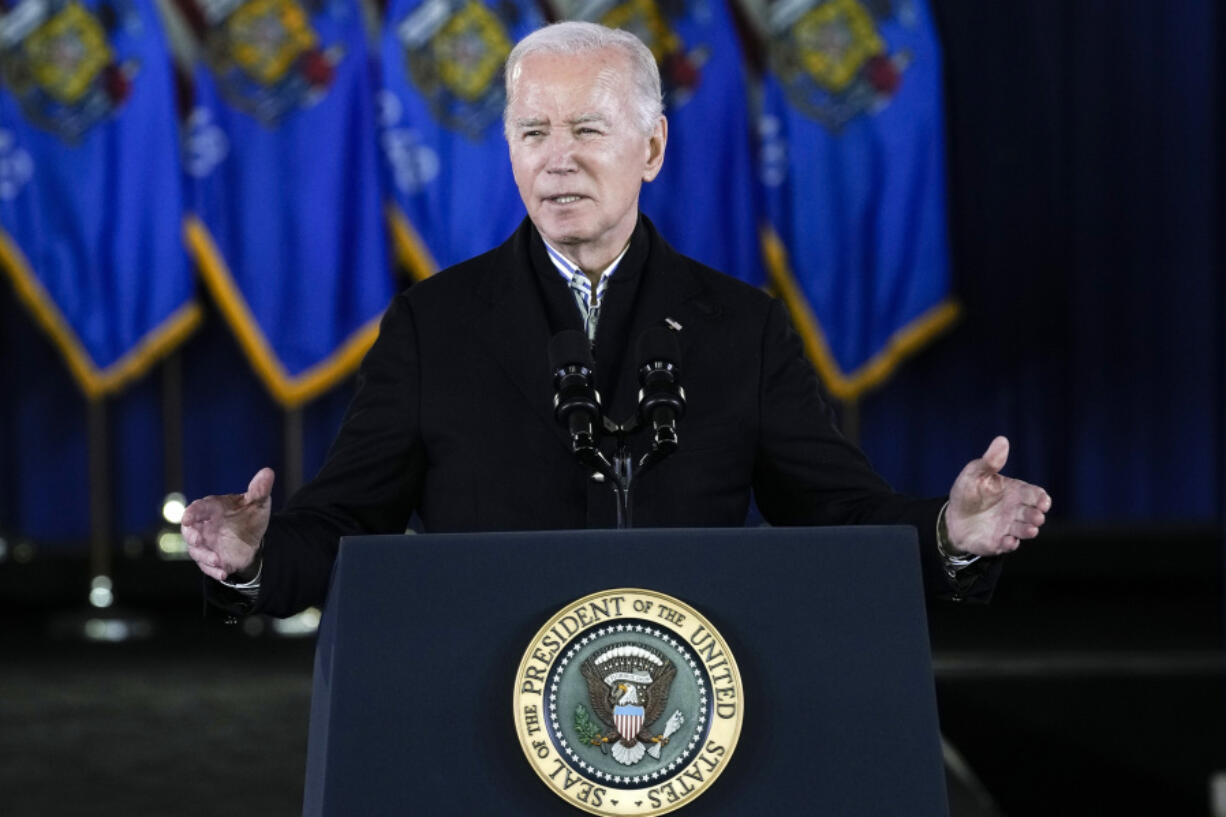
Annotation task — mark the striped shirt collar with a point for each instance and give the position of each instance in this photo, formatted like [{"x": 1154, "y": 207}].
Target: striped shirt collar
[
  {"x": 586, "y": 299},
  {"x": 576, "y": 277}
]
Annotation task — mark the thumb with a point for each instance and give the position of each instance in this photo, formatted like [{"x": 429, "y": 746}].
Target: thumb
[
  {"x": 261, "y": 486},
  {"x": 996, "y": 455}
]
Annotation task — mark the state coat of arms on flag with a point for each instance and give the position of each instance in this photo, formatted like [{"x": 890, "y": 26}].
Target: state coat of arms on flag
[
  {"x": 88, "y": 136},
  {"x": 285, "y": 223},
  {"x": 853, "y": 173}
]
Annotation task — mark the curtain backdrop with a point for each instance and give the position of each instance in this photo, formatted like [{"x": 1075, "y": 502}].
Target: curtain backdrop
[{"x": 1084, "y": 152}]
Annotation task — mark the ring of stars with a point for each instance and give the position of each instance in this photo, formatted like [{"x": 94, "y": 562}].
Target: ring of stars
[{"x": 676, "y": 764}]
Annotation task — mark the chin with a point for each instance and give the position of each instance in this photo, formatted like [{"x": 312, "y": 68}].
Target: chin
[{"x": 564, "y": 236}]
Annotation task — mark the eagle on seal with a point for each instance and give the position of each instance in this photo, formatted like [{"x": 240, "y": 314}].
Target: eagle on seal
[{"x": 628, "y": 685}]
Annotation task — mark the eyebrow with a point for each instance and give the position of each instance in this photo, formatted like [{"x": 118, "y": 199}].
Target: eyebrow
[{"x": 538, "y": 122}]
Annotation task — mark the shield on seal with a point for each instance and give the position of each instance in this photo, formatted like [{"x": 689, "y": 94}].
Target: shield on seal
[{"x": 628, "y": 720}]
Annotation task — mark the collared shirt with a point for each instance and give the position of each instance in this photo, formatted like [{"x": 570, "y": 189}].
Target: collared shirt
[{"x": 587, "y": 299}]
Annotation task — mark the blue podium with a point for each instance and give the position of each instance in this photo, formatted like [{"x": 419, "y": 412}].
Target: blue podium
[{"x": 422, "y": 635}]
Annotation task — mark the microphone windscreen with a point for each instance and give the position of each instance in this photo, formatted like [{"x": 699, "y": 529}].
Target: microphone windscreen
[
  {"x": 570, "y": 347},
  {"x": 658, "y": 343}
]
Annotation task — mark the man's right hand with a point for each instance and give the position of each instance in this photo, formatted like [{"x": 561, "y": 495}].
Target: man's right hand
[{"x": 223, "y": 533}]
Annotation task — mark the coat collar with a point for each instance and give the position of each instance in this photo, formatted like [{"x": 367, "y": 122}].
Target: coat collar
[{"x": 517, "y": 327}]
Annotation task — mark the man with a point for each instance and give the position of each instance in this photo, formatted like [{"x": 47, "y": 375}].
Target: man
[{"x": 453, "y": 416}]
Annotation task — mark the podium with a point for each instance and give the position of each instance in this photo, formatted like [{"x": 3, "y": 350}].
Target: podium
[{"x": 415, "y": 668}]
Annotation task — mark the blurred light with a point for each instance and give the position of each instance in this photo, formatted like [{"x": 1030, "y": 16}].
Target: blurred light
[
  {"x": 23, "y": 551},
  {"x": 98, "y": 629},
  {"x": 4, "y": 549},
  {"x": 173, "y": 507},
  {"x": 116, "y": 629},
  {"x": 171, "y": 545},
  {"x": 305, "y": 623},
  {"x": 100, "y": 594}
]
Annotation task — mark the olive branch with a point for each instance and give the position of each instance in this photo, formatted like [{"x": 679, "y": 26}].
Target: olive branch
[{"x": 587, "y": 729}]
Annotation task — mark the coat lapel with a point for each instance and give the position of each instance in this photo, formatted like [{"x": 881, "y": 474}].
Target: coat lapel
[
  {"x": 517, "y": 328},
  {"x": 665, "y": 290}
]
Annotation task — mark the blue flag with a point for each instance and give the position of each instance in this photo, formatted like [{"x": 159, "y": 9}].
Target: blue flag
[
  {"x": 704, "y": 200},
  {"x": 287, "y": 224},
  {"x": 440, "y": 110},
  {"x": 88, "y": 139},
  {"x": 854, "y": 173}
]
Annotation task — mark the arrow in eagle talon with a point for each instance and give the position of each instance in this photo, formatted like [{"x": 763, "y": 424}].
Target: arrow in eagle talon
[{"x": 674, "y": 723}]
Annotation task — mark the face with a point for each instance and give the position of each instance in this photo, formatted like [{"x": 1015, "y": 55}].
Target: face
[{"x": 578, "y": 156}]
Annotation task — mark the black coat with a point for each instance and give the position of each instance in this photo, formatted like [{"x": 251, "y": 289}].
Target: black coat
[{"x": 453, "y": 419}]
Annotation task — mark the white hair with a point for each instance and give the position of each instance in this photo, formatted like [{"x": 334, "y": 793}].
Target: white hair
[{"x": 572, "y": 38}]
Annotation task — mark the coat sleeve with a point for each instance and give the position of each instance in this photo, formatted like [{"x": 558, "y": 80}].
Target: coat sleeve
[
  {"x": 807, "y": 473},
  {"x": 370, "y": 482}
]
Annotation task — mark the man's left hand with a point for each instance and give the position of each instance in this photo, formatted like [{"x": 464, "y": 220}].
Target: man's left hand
[{"x": 989, "y": 513}]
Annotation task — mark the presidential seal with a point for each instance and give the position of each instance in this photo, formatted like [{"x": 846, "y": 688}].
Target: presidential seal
[{"x": 628, "y": 702}]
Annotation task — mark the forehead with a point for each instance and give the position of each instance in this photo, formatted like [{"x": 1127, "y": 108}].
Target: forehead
[{"x": 595, "y": 82}]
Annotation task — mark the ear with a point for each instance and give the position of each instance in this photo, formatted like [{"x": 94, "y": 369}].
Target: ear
[{"x": 655, "y": 149}]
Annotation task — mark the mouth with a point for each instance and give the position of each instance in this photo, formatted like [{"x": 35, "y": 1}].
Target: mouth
[{"x": 563, "y": 199}]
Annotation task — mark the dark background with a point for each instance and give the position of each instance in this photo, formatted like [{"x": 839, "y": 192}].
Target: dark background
[{"x": 1087, "y": 195}]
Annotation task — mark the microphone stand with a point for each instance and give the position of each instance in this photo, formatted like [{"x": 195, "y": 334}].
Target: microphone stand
[
  {"x": 622, "y": 471},
  {"x": 622, "y": 486},
  {"x": 577, "y": 406}
]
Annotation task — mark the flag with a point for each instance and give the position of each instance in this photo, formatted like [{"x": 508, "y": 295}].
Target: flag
[
  {"x": 852, "y": 164},
  {"x": 452, "y": 195},
  {"x": 88, "y": 140},
  {"x": 704, "y": 200},
  {"x": 286, "y": 223}
]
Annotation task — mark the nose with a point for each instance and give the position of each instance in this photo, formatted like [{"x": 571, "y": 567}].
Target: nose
[{"x": 561, "y": 154}]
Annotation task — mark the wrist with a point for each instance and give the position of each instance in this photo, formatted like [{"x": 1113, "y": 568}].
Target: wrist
[
  {"x": 946, "y": 542},
  {"x": 248, "y": 574},
  {"x": 953, "y": 556}
]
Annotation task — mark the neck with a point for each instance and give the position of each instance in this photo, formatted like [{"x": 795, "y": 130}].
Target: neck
[{"x": 592, "y": 259}]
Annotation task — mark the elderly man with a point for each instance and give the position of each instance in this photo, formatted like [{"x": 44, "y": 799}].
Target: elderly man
[{"x": 453, "y": 414}]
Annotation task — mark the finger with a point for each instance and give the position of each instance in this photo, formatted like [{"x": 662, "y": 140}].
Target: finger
[
  {"x": 213, "y": 572},
  {"x": 196, "y": 512},
  {"x": 260, "y": 487},
  {"x": 1008, "y": 543},
  {"x": 1022, "y": 530},
  {"x": 208, "y": 564},
  {"x": 1031, "y": 495},
  {"x": 1031, "y": 516},
  {"x": 203, "y": 556},
  {"x": 997, "y": 454},
  {"x": 1044, "y": 503}
]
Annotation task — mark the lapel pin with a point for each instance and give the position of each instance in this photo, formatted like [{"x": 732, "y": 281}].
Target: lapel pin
[{"x": 672, "y": 324}]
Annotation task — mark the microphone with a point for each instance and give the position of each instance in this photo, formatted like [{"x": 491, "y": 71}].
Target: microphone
[
  {"x": 576, "y": 403},
  {"x": 661, "y": 398}
]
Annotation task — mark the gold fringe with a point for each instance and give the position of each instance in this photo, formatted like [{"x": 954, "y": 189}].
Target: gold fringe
[
  {"x": 96, "y": 383},
  {"x": 904, "y": 343},
  {"x": 288, "y": 390},
  {"x": 411, "y": 251}
]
